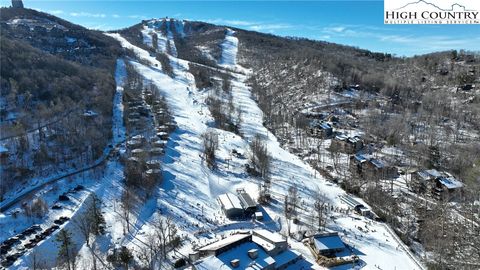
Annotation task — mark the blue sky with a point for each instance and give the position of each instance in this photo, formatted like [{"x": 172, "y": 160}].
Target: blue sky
[{"x": 356, "y": 23}]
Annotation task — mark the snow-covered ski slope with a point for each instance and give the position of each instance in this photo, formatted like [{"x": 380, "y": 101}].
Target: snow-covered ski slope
[{"x": 190, "y": 189}]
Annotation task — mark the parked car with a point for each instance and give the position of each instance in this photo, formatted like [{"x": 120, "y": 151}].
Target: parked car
[
  {"x": 35, "y": 227},
  {"x": 79, "y": 187},
  {"x": 63, "y": 197},
  {"x": 30, "y": 245}
]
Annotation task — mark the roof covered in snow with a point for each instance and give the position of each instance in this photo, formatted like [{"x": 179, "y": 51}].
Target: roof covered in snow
[
  {"x": 246, "y": 200},
  {"x": 320, "y": 124},
  {"x": 424, "y": 175},
  {"x": 230, "y": 201},
  {"x": 328, "y": 242},
  {"x": 240, "y": 253},
  {"x": 434, "y": 173},
  {"x": 225, "y": 242},
  {"x": 377, "y": 163},
  {"x": 450, "y": 183},
  {"x": 360, "y": 158},
  {"x": 351, "y": 201},
  {"x": 270, "y": 236}
]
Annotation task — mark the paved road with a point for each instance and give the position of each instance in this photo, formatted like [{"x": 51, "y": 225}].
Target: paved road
[{"x": 4, "y": 206}]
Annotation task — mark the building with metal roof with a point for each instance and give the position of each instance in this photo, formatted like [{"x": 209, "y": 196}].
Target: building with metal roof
[
  {"x": 231, "y": 206},
  {"x": 327, "y": 244}
]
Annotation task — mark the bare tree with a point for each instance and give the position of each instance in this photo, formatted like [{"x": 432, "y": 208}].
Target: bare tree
[
  {"x": 127, "y": 203},
  {"x": 35, "y": 260},
  {"x": 37, "y": 208},
  {"x": 210, "y": 146},
  {"x": 260, "y": 159},
  {"x": 149, "y": 254},
  {"x": 287, "y": 211},
  {"x": 293, "y": 202},
  {"x": 320, "y": 208}
]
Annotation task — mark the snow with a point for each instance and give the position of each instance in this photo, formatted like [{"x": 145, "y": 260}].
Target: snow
[
  {"x": 90, "y": 113},
  {"x": 150, "y": 29},
  {"x": 240, "y": 253},
  {"x": 225, "y": 242},
  {"x": 3, "y": 149},
  {"x": 179, "y": 25},
  {"x": 172, "y": 49},
  {"x": 190, "y": 188},
  {"x": 273, "y": 237},
  {"x": 229, "y": 50},
  {"x": 70, "y": 39},
  {"x": 450, "y": 183},
  {"x": 108, "y": 188},
  {"x": 118, "y": 128},
  {"x": 230, "y": 201},
  {"x": 142, "y": 54},
  {"x": 434, "y": 173},
  {"x": 330, "y": 242},
  {"x": 147, "y": 36}
]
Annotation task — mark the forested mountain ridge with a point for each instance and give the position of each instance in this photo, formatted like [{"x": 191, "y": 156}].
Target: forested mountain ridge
[{"x": 53, "y": 75}]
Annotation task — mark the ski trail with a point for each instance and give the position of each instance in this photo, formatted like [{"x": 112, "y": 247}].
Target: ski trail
[
  {"x": 229, "y": 50},
  {"x": 118, "y": 128},
  {"x": 142, "y": 54},
  {"x": 377, "y": 248}
]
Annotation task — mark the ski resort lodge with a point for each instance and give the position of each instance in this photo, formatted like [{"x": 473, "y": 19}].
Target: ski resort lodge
[{"x": 260, "y": 249}]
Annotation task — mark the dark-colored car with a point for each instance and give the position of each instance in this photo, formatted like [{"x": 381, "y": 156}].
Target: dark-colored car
[
  {"x": 63, "y": 197},
  {"x": 56, "y": 207},
  {"x": 30, "y": 245},
  {"x": 79, "y": 187}
]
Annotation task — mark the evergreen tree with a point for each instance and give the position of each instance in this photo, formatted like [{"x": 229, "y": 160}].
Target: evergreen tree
[
  {"x": 66, "y": 249},
  {"x": 96, "y": 216}
]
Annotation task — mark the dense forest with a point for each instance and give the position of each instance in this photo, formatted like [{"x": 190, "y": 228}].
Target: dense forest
[{"x": 57, "y": 89}]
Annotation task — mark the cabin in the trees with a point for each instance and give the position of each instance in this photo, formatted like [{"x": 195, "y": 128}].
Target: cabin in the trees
[
  {"x": 447, "y": 188},
  {"x": 320, "y": 129},
  {"x": 441, "y": 185},
  {"x": 371, "y": 168},
  {"x": 347, "y": 144}
]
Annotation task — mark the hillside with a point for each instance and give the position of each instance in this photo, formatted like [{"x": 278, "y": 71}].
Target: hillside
[
  {"x": 57, "y": 90},
  {"x": 172, "y": 124}
]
